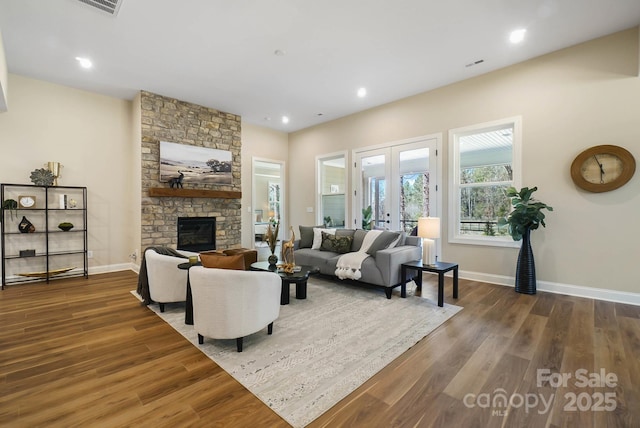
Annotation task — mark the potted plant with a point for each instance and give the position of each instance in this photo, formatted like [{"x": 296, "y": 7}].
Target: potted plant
[
  {"x": 366, "y": 218},
  {"x": 527, "y": 215}
]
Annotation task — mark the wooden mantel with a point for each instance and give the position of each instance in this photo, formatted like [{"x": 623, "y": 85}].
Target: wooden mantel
[{"x": 193, "y": 193}]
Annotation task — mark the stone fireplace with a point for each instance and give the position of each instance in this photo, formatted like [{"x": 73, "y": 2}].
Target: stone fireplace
[{"x": 175, "y": 121}]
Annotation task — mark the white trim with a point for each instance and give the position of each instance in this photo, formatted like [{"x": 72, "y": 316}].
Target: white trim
[
  {"x": 558, "y": 288},
  {"x": 94, "y": 270},
  {"x": 357, "y": 214},
  {"x": 454, "y": 179},
  {"x": 347, "y": 187},
  {"x": 283, "y": 194}
]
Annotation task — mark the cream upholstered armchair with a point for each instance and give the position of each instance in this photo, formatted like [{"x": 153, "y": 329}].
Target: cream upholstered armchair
[
  {"x": 167, "y": 283},
  {"x": 232, "y": 304}
]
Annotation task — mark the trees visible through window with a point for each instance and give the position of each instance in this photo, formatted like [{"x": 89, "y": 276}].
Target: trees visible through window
[{"x": 485, "y": 163}]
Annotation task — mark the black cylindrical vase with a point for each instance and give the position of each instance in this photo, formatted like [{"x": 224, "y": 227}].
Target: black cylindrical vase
[{"x": 526, "y": 269}]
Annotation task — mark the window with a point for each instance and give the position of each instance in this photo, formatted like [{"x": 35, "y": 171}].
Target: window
[
  {"x": 485, "y": 161},
  {"x": 332, "y": 192}
]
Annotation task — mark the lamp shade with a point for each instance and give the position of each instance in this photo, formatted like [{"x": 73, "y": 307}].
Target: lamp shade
[{"x": 429, "y": 227}]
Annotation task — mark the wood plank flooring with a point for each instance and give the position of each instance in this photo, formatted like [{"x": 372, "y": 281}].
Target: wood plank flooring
[{"x": 84, "y": 352}]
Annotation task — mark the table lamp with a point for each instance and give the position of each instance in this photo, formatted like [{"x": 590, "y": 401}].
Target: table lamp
[{"x": 429, "y": 231}]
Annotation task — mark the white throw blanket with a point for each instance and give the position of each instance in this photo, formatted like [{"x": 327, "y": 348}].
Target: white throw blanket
[{"x": 349, "y": 264}]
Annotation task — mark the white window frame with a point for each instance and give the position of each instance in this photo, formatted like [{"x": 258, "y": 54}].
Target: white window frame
[
  {"x": 454, "y": 179},
  {"x": 319, "y": 180}
]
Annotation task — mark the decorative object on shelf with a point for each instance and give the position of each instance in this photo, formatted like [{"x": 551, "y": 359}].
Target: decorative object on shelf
[
  {"x": 327, "y": 221},
  {"x": 177, "y": 181},
  {"x": 54, "y": 167},
  {"x": 44, "y": 274},
  {"x": 288, "y": 258},
  {"x": 42, "y": 177},
  {"x": 73, "y": 203},
  {"x": 603, "y": 168},
  {"x": 27, "y": 201},
  {"x": 526, "y": 216},
  {"x": 11, "y": 205},
  {"x": 26, "y": 226},
  {"x": 429, "y": 231},
  {"x": 272, "y": 239},
  {"x": 65, "y": 226},
  {"x": 27, "y": 253}
]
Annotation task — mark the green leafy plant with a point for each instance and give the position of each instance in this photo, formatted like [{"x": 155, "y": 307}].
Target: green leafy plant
[
  {"x": 366, "y": 217},
  {"x": 526, "y": 214},
  {"x": 327, "y": 221}
]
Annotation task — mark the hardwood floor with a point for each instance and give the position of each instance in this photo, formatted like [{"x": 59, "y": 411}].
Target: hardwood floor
[{"x": 81, "y": 352}]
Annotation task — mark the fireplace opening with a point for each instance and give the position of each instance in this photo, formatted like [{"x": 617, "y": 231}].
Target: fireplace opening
[{"x": 196, "y": 233}]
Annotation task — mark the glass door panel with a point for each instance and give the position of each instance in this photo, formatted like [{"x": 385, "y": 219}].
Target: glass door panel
[{"x": 398, "y": 183}]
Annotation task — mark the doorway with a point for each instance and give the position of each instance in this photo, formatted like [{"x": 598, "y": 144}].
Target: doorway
[
  {"x": 396, "y": 184},
  {"x": 268, "y": 193}
]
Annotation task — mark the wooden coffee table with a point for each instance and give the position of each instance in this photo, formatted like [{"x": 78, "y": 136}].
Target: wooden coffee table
[{"x": 298, "y": 278}]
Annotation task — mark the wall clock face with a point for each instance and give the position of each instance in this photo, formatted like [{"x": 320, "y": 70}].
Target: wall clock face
[
  {"x": 27, "y": 201},
  {"x": 602, "y": 168}
]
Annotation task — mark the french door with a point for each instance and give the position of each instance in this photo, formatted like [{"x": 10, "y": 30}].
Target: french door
[{"x": 396, "y": 184}]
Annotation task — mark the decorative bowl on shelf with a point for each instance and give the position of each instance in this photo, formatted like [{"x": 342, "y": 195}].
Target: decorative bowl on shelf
[{"x": 65, "y": 226}]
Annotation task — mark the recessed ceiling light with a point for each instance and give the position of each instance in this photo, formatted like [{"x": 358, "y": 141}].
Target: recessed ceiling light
[
  {"x": 362, "y": 92},
  {"x": 285, "y": 119},
  {"x": 517, "y": 36},
  {"x": 279, "y": 52},
  {"x": 84, "y": 62}
]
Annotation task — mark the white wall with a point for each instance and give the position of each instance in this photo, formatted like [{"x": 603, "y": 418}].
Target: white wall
[
  {"x": 569, "y": 100},
  {"x": 91, "y": 136}
]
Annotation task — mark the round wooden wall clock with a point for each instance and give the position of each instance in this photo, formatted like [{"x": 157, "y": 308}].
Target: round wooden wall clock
[{"x": 603, "y": 168}]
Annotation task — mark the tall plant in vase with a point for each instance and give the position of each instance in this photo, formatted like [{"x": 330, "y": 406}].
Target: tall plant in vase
[
  {"x": 272, "y": 239},
  {"x": 527, "y": 215}
]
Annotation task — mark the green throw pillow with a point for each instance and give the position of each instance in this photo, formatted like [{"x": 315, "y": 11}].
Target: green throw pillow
[{"x": 336, "y": 244}]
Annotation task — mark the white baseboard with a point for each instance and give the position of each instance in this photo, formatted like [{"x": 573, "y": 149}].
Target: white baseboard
[
  {"x": 551, "y": 287},
  {"x": 114, "y": 268},
  {"x": 557, "y": 288}
]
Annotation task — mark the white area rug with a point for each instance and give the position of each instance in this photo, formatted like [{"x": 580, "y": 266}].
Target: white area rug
[{"x": 322, "y": 348}]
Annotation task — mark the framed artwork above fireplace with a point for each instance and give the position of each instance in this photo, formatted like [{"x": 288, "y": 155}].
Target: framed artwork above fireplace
[{"x": 198, "y": 165}]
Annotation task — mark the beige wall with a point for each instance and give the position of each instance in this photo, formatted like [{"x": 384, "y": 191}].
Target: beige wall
[
  {"x": 265, "y": 144},
  {"x": 569, "y": 100},
  {"x": 91, "y": 135}
]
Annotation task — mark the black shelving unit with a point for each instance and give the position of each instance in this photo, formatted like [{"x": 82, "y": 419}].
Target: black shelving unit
[{"x": 47, "y": 252}]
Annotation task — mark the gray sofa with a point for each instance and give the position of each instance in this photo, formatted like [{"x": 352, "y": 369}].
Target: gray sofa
[{"x": 381, "y": 269}]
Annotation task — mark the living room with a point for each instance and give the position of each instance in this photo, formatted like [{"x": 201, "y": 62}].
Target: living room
[
  {"x": 97, "y": 139},
  {"x": 569, "y": 100}
]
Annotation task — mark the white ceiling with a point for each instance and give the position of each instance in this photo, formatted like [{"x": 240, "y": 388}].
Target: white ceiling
[{"x": 220, "y": 54}]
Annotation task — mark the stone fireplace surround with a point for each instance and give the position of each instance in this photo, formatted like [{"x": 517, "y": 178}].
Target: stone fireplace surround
[{"x": 168, "y": 119}]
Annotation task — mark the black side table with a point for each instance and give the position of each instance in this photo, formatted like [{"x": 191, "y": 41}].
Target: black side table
[
  {"x": 188, "y": 309},
  {"x": 439, "y": 267}
]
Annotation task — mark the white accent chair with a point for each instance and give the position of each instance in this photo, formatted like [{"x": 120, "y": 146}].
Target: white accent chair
[
  {"x": 232, "y": 304},
  {"x": 167, "y": 283}
]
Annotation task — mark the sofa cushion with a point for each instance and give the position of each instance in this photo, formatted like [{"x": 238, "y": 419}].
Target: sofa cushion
[
  {"x": 345, "y": 232},
  {"x": 306, "y": 236},
  {"x": 358, "y": 237},
  {"x": 317, "y": 236},
  {"x": 309, "y": 257},
  {"x": 384, "y": 240},
  {"x": 222, "y": 261},
  {"x": 335, "y": 243}
]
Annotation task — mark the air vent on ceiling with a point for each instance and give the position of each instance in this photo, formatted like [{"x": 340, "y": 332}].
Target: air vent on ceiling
[{"x": 109, "y": 6}]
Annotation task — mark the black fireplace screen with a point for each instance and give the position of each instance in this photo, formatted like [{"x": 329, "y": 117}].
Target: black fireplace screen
[{"x": 196, "y": 233}]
